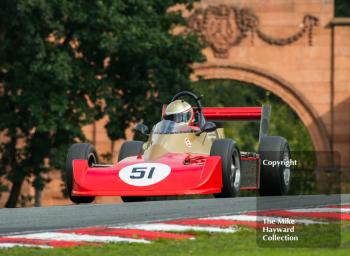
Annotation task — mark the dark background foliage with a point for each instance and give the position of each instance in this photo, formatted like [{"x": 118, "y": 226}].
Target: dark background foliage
[
  {"x": 64, "y": 64},
  {"x": 342, "y": 8}
]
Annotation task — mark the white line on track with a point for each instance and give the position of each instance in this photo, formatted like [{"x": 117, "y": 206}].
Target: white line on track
[
  {"x": 78, "y": 238},
  {"x": 342, "y": 210},
  {"x": 175, "y": 227},
  {"x": 10, "y": 245},
  {"x": 259, "y": 219}
]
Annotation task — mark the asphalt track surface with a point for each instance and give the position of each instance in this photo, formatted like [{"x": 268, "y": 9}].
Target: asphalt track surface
[{"x": 75, "y": 216}]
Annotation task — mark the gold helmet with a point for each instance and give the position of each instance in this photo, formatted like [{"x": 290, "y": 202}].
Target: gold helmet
[{"x": 179, "y": 111}]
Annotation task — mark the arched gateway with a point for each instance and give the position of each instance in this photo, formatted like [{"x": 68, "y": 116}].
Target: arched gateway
[
  {"x": 294, "y": 48},
  {"x": 279, "y": 87}
]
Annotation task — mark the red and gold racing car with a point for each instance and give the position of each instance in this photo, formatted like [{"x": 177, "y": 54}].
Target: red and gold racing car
[{"x": 186, "y": 153}]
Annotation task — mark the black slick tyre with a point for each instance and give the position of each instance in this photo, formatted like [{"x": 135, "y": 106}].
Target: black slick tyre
[
  {"x": 83, "y": 151},
  {"x": 274, "y": 180},
  {"x": 231, "y": 166}
]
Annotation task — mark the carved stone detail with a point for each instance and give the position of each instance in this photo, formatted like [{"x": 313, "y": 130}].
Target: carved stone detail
[{"x": 223, "y": 27}]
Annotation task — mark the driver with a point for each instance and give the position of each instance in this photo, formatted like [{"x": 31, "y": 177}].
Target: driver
[{"x": 180, "y": 112}]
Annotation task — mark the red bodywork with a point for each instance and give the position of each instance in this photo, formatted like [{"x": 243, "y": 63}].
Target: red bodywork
[
  {"x": 186, "y": 177},
  {"x": 190, "y": 174}
]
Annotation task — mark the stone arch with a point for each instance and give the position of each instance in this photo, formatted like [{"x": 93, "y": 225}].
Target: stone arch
[{"x": 286, "y": 91}]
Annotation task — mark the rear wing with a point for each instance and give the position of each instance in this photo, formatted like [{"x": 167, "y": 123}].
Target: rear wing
[{"x": 240, "y": 114}]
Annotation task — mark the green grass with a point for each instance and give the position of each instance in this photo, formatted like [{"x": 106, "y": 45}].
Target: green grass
[{"x": 240, "y": 243}]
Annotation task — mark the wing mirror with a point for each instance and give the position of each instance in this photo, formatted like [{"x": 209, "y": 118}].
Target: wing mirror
[
  {"x": 141, "y": 129},
  {"x": 207, "y": 127}
]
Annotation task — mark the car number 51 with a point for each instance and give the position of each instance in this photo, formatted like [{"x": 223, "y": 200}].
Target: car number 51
[
  {"x": 140, "y": 172},
  {"x": 144, "y": 174}
]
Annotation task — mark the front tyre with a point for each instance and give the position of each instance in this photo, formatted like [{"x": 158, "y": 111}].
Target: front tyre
[
  {"x": 84, "y": 151},
  {"x": 131, "y": 148},
  {"x": 274, "y": 180},
  {"x": 231, "y": 166}
]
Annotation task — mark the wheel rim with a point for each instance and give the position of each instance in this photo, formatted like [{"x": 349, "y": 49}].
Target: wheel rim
[
  {"x": 286, "y": 170},
  {"x": 235, "y": 175},
  {"x": 91, "y": 159}
]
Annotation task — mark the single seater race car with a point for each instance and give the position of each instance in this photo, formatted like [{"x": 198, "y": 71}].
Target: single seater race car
[{"x": 185, "y": 154}]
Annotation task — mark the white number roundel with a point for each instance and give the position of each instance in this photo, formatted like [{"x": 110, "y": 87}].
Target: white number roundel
[{"x": 144, "y": 174}]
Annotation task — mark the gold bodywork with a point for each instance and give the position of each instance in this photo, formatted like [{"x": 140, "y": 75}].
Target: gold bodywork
[{"x": 160, "y": 144}]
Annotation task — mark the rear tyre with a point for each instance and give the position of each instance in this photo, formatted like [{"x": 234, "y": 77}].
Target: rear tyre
[
  {"x": 131, "y": 148},
  {"x": 274, "y": 180},
  {"x": 231, "y": 166},
  {"x": 83, "y": 151}
]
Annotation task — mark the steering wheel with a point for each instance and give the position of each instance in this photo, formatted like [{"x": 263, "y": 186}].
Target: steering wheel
[{"x": 197, "y": 99}]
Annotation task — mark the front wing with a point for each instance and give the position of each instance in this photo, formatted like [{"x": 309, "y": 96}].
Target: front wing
[{"x": 172, "y": 174}]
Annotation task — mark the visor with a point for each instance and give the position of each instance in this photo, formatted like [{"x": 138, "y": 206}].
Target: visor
[{"x": 179, "y": 117}]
